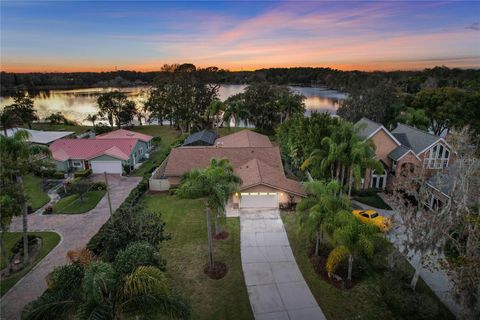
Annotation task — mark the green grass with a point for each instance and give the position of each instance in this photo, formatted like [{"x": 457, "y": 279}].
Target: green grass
[
  {"x": 186, "y": 255},
  {"x": 36, "y": 197},
  {"x": 373, "y": 201},
  {"x": 364, "y": 301},
  {"x": 49, "y": 241},
  {"x": 72, "y": 204}
]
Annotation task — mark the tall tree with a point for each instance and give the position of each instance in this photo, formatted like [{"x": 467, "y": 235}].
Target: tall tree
[
  {"x": 9, "y": 119},
  {"x": 23, "y": 107},
  {"x": 217, "y": 183},
  {"x": 414, "y": 117},
  {"x": 92, "y": 118},
  {"x": 18, "y": 158},
  {"x": 235, "y": 109},
  {"x": 116, "y": 107}
]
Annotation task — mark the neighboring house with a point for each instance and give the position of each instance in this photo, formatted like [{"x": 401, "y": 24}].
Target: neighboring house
[
  {"x": 201, "y": 138},
  {"x": 401, "y": 150},
  {"x": 254, "y": 159},
  {"x": 40, "y": 137},
  {"x": 110, "y": 153}
]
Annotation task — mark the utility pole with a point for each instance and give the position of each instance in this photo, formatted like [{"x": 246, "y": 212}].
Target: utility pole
[{"x": 108, "y": 194}]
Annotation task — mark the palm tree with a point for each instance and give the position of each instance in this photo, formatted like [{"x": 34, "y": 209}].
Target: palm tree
[
  {"x": 320, "y": 206},
  {"x": 327, "y": 158},
  {"x": 9, "y": 119},
  {"x": 18, "y": 158},
  {"x": 93, "y": 118},
  {"x": 235, "y": 109},
  {"x": 103, "y": 291},
  {"x": 351, "y": 238},
  {"x": 217, "y": 183},
  {"x": 360, "y": 158}
]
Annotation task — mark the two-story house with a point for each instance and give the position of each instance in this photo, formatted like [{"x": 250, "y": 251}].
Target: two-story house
[{"x": 402, "y": 150}]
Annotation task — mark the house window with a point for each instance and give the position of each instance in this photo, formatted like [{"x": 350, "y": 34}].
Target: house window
[
  {"x": 436, "y": 157},
  {"x": 378, "y": 180},
  {"x": 77, "y": 163},
  {"x": 434, "y": 203}
]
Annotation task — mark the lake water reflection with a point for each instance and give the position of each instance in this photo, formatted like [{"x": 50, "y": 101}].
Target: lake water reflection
[{"x": 77, "y": 104}]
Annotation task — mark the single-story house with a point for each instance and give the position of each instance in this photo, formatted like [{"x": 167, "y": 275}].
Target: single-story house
[
  {"x": 110, "y": 153},
  {"x": 38, "y": 136},
  {"x": 254, "y": 159},
  {"x": 201, "y": 138}
]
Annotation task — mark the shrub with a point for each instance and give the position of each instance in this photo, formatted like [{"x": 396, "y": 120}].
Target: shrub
[
  {"x": 48, "y": 210},
  {"x": 102, "y": 128},
  {"x": 58, "y": 175},
  {"x": 156, "y": 140},
  {"x": 83, "y": 174},
  {"x": 126, "y": 168},
  {"x": 67, "y": 277},
  {"x": 99, "y": 185},
  {"x": 18, "y": 247},
  {"x": 135, "y": 254}
]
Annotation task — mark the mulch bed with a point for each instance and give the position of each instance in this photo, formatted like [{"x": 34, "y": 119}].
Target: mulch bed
[
  {"x": 221, "y": 236},
  {"x": 338, "y": 280},
  {"x": 218, "y": 271}
]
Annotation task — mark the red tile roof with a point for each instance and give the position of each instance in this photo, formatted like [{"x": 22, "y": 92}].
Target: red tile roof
[
  {"x": 125, "y": 134},
  {"x": 84, "y": 149}
]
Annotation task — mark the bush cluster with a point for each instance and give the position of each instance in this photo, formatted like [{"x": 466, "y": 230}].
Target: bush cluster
[
  {"x": 98, "y": 186},
  {"x": 83, "y": 174}
]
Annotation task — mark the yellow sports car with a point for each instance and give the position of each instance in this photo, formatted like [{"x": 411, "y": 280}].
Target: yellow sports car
[{"x": 372, "y": 216}]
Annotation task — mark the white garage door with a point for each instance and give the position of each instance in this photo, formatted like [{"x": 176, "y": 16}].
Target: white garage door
[
  {"x": 106, "y": 166},
  {"x": 259, "y": 200}
]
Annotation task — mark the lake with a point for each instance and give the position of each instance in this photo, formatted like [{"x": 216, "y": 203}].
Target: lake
[{"x": 76, "y": 104}]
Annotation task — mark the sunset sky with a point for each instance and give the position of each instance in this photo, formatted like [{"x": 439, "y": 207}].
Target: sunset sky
[{"x": 99, "y": 36}]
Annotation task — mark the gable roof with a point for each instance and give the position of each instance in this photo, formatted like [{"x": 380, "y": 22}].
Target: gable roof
[
  {"x": 125, "y": 134},
  {"x": 38, "y": 136},
  {"x": 244, "y": 138},
  {"x": 84, "y": 149},
  {"x": 413, "y": 138},
  {"x": 206, "y": 136},
  {"x": 399, "y": 152},
  {"x": 367, "y": 128},
  {"x": 256, "y": 172}
]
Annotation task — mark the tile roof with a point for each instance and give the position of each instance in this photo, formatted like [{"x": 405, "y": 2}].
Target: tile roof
[
  {"x": 414, "y": 138},
  {"x": 398, "y": 152},
  {"x": 206, "y": 136},
  {"x": 255, "y": 172},
  {"x": 257, "y": 164},
  {"x": 84, "y": 149},
  {"x": 366, "y": 127},
  {"x": 38, "y": 136},
  {"x": 244, "y": 138},
  {"x": 125, "y": 134}
]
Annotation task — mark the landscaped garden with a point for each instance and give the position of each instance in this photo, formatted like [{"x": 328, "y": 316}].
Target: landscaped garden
[
  {"x": 187, "y": 254},
  {"x": 14, "y": 245},
  {"x": 72, "y": 204},
  {"x": 376, "y": 292},
  {"x": 37, "y": 198}
]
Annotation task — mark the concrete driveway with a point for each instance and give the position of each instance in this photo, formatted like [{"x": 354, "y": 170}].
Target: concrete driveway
[
  {"x": 75, "y": 232},
  {"x": 275, "y": 285}
]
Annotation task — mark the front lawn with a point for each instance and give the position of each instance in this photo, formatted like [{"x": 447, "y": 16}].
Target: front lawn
[
  {"x": 49, "y": 241},
  {"x": 373, "y": 200},
  {"x": 33, "y": 188},
  {"x": 365, "y": 300},
  {"x": 72, "y": 204},
  {"x": 186, "y": 255}
]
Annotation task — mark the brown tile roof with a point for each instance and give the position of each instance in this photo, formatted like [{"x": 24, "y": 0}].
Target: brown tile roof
[
  {"x": 251, "y": 154},
  {"x": 244, "y": 138},
  {"x": 256, "y": 172}
]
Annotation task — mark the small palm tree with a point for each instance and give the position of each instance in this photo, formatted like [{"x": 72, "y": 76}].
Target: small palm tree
[
  {"x": 351, "y": 238},
  {"x": 19, "y": 158},
  {"x": 92, "y": 118},
  {"x": 319, "y": 207}
]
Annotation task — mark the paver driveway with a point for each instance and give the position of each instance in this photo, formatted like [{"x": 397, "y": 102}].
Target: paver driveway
[
  {"x": 75, "y": 231},
  {"x": 275, "y": 285}
]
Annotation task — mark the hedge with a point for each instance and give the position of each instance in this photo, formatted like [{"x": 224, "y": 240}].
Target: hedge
[
  {"x": 95, "y": 243},
  {"x": 83, "y": 174}
]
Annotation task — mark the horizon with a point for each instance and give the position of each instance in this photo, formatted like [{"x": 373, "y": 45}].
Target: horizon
[{"x": 50, "y": 37}]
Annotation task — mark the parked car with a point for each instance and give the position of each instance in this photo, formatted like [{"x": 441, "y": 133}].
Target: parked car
[{"x": 372, "y": 216}]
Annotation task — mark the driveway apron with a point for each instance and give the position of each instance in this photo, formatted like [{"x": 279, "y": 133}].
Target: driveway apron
[
  {"x": 275, "y": 285},
  {"x": 75, "y": 231}
]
